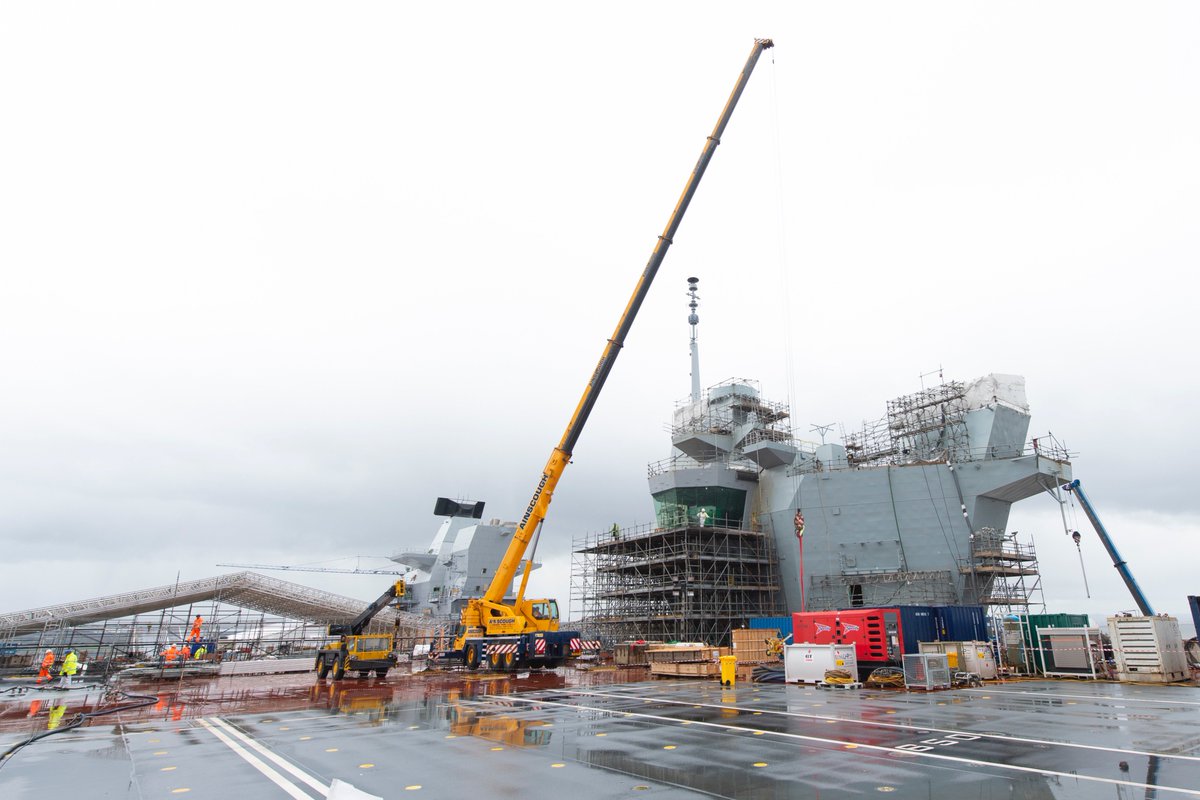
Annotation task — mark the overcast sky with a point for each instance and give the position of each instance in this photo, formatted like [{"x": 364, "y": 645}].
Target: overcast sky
[{"x": 277, "y": 275}]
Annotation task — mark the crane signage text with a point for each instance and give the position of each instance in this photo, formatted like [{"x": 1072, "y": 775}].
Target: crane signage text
[{"x": 533, "y": 503}]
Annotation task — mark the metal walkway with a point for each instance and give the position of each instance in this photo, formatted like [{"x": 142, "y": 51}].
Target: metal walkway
[{"x": 246, "y": 589}]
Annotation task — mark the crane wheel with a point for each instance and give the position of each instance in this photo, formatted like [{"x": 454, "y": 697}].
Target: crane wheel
[
  {"x": 510, "y": 661},
  {"x": 339, "y": 670},
  {"x": 323, "y": 669},
  {"x": 472, "y": 654},
  {"x": 496, "y": 662}
]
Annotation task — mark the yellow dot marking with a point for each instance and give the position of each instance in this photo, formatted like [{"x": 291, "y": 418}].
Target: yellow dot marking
[
  {"x": 641, "y": 787},
  {"x": 759, "y": 733},
  {"x": 885, "y": 788},
  {"x": 602, "y": 734},
  {"x": 831, "y": 721},
  {"x": 305, "y": 738},
  {"x": 494, "y": 749},
  {"x": 686, "y": 722},
  {"x": 412, "y": 788},
  {"x": 556, "y": 766},
  {"x": 760, "y": 763},
  {"x": 160, "y": 752},
  {"x": 151, "y": 741},
  {"x": 668, "y": 747},
  {"x": 987, "y": 697},
  {"x": 1071, "y": 702},
  {"x": 180, "y": 790},
  {"x": 758, "y": 713},
  {"x": 331, "y": 749},
  {"x": 890, "y": 711},
  {"x": 285, "y": 728},
  {"x": 168, "y": 769},
  {"x": 365, "y": 766},
  {"x": 851, "y": 746},
  {"x": 413, "y": 727}
]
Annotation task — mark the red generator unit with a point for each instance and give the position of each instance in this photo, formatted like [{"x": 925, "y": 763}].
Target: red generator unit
[{"x": 880, "y": 635}]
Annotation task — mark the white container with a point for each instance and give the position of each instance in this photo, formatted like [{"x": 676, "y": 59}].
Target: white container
[
  {"x": 1071, "y": 652},
  {"x": 1148, "y": 649},
  {"x": 926, "y": 671},
  {"x": 974, "y": 657},
  {"x": 806, "y": 663}
]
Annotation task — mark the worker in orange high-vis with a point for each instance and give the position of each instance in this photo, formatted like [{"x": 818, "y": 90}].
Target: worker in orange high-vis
[
  {"x": 170, "y": 654},
  {"x": 47, "y": 663},
  {"x": 186, "y": 653},
  {"x": 195, "y": 634}
]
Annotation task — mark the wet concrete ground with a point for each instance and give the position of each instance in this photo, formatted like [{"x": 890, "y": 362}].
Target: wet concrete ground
[{"x": 610, "y": 733}]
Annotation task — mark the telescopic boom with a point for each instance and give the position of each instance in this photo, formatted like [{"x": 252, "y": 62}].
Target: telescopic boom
[{"x": 535, "y": 512}]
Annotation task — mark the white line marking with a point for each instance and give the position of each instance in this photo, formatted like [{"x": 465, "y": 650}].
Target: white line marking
[
  {"x": 903, "y": 726},
  {"x": 275, "y": 778},
  {"x": 279, "y": 760},
  {"x": 1165, "y": 701},
  {"x": 911, "y": 753}
]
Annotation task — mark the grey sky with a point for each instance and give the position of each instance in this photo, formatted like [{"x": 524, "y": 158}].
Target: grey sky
[{"x": 276, "y": 275}]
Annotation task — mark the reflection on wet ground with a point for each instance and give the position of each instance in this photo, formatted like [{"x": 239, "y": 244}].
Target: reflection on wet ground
[
  {"x": 34, "y": 708},
  {"x": 607, "y": 733}
]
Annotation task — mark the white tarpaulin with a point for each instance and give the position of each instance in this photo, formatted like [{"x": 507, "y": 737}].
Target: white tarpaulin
[{"x": 1008, "y": 390}]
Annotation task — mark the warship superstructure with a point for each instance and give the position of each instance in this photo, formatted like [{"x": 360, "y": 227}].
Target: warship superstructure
[
  {"x": 910, "y": 510},
  {"x": 456, "y": 566}
]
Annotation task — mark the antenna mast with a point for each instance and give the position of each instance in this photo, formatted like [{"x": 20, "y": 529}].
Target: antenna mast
[{"x": 694, "y": 320}]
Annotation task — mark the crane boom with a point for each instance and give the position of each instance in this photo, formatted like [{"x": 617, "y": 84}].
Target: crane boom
[
  {"x": 1142, "y": 603},
  {"x": 535, "y": 511}
]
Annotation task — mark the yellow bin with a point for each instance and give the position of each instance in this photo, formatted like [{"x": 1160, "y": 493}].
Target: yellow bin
[{"x": 728, "y": 670}]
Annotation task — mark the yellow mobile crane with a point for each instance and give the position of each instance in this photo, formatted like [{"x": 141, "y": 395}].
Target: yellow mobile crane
[
  {"x": 511, "y": 635},
  {"x": 354, "y": 651}
]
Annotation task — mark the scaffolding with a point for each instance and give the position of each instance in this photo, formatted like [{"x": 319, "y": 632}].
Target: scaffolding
[
  {"x": 689, "y": 583},
  {"x": 929, "y": 425},
  {"x": 880, "y": 588},
  {"x": 245, "y": 616},
  {"x": 1001, "y": 573},
  {"x": 728, "y": 406}
]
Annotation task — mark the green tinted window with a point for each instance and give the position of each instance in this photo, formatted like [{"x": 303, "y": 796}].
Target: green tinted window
[{"x": 708, "y": 505}]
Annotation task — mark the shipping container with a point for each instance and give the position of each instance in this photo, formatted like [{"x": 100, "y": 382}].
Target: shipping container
[
  {"x": 1030, "y": 624},
  {"x": 882, "y": 635},
  {"x": 781, "y": 624},
  {"x": 964, "y": 624}
]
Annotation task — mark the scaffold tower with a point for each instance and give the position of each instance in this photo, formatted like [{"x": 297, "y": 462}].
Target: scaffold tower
[
  {"x": 1002, "y": 573},
  {"x": 688, "y": 582}
]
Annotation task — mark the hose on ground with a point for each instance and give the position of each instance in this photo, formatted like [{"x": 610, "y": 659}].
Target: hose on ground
[{"x": 839, "y": 676}]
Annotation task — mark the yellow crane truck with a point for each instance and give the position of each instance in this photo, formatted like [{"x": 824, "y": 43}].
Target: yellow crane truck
[
  {"x": 514, "y": 634},
  {"x": 354, "y": 651}
]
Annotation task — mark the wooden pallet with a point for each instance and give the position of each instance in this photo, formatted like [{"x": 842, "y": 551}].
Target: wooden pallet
[
  {"x": 824, "y": 685},
  {"x": 686, "y": 669}
]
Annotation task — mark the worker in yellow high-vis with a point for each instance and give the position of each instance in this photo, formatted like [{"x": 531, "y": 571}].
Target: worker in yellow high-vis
[{"x": 69, "y": 667}]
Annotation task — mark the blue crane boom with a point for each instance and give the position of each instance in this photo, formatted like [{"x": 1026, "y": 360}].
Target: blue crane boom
[{"x": 1142, "y": 603}]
